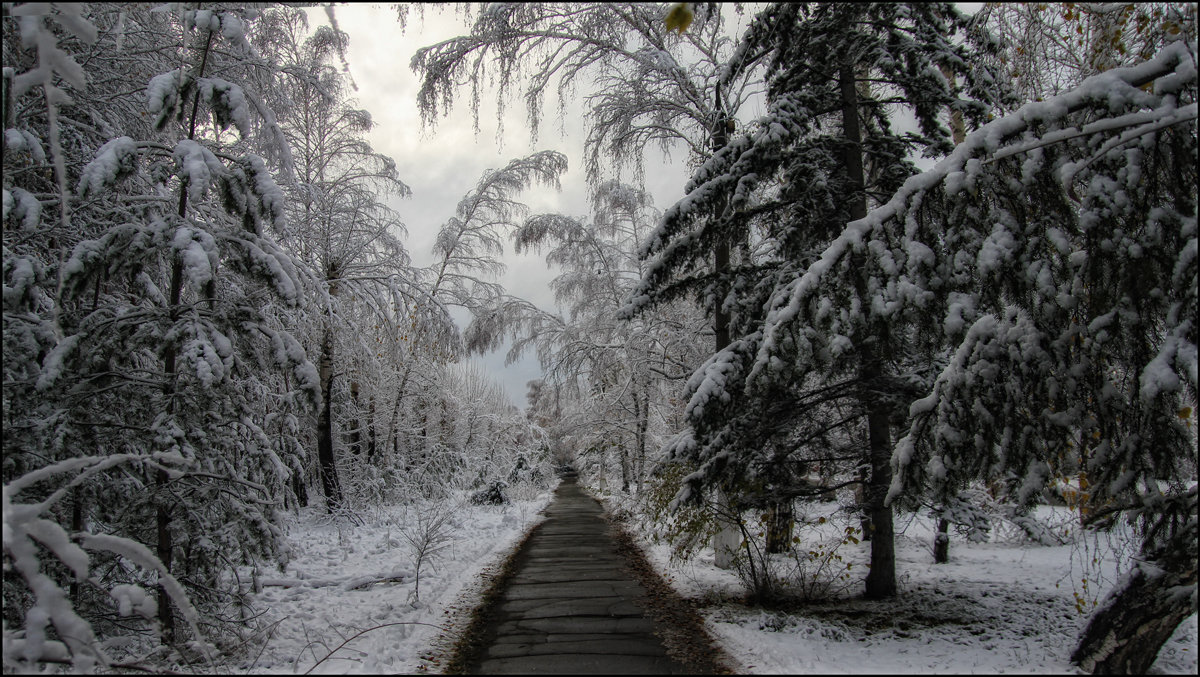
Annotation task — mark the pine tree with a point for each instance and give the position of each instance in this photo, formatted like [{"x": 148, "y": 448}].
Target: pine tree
[
  {"x": 146, "y": 300},
  {"x": 1067, "y": 288},
  {"x": 778, "y": 194}
]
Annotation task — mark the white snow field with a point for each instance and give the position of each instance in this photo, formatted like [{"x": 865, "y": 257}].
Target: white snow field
[
  {"x": 327, "y": 598},
  {"x": 1004, "y": 606}
]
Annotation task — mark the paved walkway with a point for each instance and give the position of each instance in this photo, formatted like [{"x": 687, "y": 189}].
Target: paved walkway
[{"x": 571, "y": 607}]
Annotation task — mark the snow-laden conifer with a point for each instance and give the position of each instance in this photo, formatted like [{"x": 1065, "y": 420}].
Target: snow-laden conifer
[
  {"x": 1053, "y": 255},
  {"x": 138, "y": 320},
  {"x": 773, "y": 196}
]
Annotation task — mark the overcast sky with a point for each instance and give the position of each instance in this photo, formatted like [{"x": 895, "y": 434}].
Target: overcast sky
[{"x": 443, "y": 163}]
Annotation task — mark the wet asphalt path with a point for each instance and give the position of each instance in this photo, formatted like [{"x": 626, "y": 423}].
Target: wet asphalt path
[{"x": 571, "y": 606}]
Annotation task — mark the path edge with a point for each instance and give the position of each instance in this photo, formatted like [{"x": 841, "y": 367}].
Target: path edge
[
  {"x": 682, "y": 626},
  {"x": 455, "y": 654}
]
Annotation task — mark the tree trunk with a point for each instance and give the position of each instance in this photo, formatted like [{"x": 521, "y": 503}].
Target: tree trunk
[
  {"x": 729, "y": 539},
  {"x": 372, "y": 438},
  {"x": 1140, "y": 614},
  {"x": 629, "y": 456},
  {"x": 860, "y": 498},
  {"x": 394, "y": 425},
  {"x": 76, "y": 527},
  {"x": 958, "y": 130},
  {"x": 623, "y": 456},
  {"x": 1137, "y": 618},
  {"x": 299, "y": 489},
  {"x": 730, "y": 536},
  {"x": 941, "y": 542},
  {"x": 881, "y": 581},
  {"x": 779, "y": 526},
  {"x": 162, "y": 512},
  {"x": 643, "y": 424},
  {"x": 166, "y": 618},
  {"x": 325, "y": 457},
  {"x": 356, "y": 444}
]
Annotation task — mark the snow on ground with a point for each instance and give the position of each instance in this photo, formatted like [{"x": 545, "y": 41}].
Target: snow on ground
[
  {"x": 1007, "y": 605},
  {"x": 324, "y": 595}
]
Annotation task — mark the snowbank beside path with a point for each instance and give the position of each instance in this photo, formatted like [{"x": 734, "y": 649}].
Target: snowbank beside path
[
  {"x": 1004, "y": 606},
  {"x": 345, "y": 578}
]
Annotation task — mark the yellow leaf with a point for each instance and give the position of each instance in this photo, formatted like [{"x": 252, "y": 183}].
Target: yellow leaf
[
  {"x": 1185, "y": 412},
  {"x": 680, "y": 17}
]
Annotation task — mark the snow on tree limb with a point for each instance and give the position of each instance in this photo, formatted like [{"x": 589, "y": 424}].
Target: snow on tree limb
[
  {"x": 1170, "y": 70},
  {"x": 23, "y": 526},
  {"x": 140, "y": 555}
]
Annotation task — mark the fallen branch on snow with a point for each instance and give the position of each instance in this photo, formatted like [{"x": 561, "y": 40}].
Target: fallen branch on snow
[{"x": 356, "y": 583}]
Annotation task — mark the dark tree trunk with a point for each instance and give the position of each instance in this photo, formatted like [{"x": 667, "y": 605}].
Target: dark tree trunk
[
  {"x": 356, "y": 444},
  {"x": 1125, "y": 635},
  {"x": 166, "y": 618},
  {"x": 162, "y": 513},
  {"x": 779, "y": 526},
  {"x": 372, "y": 442},
  {"x": 325, "y": 458},
  {"x": 76, "y": 527},
  {"x": 941, "y": 543},
  {"x": 860, "y": 498},
  {"x": 164, "y": 545},
  {"x": 299, "y": 489},
  {"x": 623, "y": 454},
  {"x": 722, "y": 249},
  {"x": 881, "y": 581}
]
